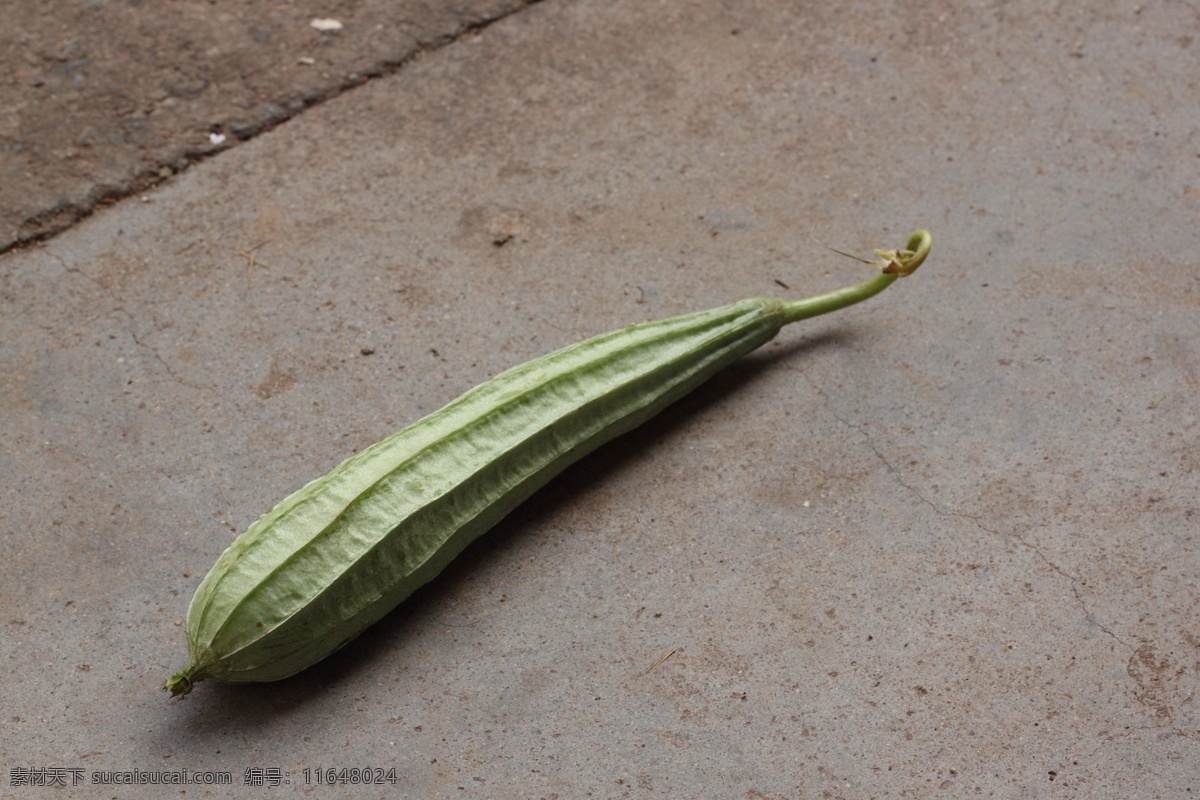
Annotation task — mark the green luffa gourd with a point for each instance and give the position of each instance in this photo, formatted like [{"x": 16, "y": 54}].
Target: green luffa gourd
[{"x": 334, "y": 557}]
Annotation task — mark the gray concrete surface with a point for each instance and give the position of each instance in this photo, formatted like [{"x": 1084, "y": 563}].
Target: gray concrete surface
[
  {"x": 943, "y": 544},
  {"x": 104, "y": 98}
]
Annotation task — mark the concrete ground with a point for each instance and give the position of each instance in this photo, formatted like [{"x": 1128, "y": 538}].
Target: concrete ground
[
  {"x": 102, "y": 99},
  {"x": 942, "y": 544}
]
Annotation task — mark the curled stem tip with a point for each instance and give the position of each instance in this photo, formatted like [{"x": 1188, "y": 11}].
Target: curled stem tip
[
  {"x": 905, "y": 261},
  {"x": 894, "y": 264}
]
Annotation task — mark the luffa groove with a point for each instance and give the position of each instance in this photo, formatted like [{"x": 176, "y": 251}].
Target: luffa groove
[{"x": 334, "y": 557}]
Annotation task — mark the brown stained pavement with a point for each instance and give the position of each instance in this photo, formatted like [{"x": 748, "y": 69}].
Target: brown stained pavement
[{"x": 943, "y": 544}]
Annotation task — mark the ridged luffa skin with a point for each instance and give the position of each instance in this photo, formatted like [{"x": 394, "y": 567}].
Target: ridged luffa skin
[{"x": 334, "y": 557}]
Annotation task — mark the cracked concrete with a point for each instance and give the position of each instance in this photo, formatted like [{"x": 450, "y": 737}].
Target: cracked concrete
[
  {"x": 109, "y": 99},
  {"x": 1141, "y": 666},
  {"x": 942, "y": 544}
]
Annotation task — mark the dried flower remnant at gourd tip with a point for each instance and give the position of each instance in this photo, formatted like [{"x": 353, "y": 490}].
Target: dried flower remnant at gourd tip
[{"x": 334, "y": 557}]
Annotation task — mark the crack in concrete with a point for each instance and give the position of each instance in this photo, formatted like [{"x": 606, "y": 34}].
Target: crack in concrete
[
  {"x": 166, "y": 367},
  {"x": 131, "y": 321},
  {"x": 50, "y": 222},
  {"x": 895, "y": 472},
  {"x": 1165, "y": 729},
  {"x": 1160, "y": 708}
]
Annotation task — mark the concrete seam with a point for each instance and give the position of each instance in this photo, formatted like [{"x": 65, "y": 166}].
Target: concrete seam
[{"x": 50, "y": 222}]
